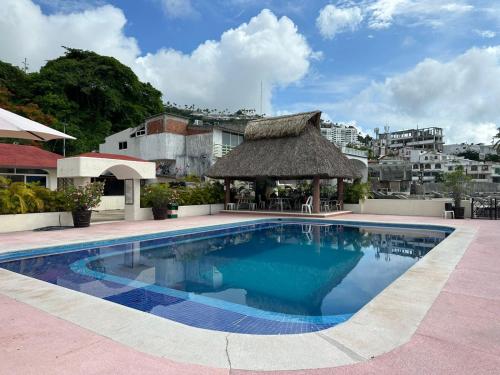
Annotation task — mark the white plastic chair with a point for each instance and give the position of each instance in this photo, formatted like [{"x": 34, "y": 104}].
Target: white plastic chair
[
  {"x": 448, "y": 209},
  {"x": 307, "y": 207}
]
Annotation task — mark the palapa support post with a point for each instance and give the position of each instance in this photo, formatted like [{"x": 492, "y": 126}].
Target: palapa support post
[
  {"x": 227, "y": 192},
  {"x": 316, "y": 195},
  {"x": 340, "y": 192}
]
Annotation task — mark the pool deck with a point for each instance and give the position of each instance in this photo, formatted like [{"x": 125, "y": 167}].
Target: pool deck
[{"x": 459, "y": 334}]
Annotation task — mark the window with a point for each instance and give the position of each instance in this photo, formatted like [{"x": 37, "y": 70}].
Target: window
[
  {"x": 122, "y": 145},
  {"x": 450, "y": 168},
  {"x": 141, "y": 131},
  {"x": 426, "y": 158},
  {"x": 427, "y": 166},
  {"x": 473, "y": 168},
  {"x": 437, "y": 166},
  {"x": 484, "y": 168},
  {"x": 415, "y": 166},
  {"x": 435, "y": 157},
  {"x": 42, "y": 180},
  {"x": 231, "y": 139}
]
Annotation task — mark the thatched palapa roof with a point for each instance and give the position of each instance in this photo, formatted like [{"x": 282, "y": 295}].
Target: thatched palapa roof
[{"x": 282, "y": 147}]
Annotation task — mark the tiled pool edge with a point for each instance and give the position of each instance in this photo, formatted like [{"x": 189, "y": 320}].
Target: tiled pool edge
[{"x": 376, "y": 330}]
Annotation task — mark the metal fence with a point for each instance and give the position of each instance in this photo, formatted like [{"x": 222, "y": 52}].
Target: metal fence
[{"x": 485, "y": 208}]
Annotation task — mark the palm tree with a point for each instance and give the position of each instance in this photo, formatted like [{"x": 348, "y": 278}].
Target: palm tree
[{"x": 496, "y": 144}]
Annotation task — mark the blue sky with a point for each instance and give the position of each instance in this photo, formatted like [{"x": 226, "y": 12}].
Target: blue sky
[{"x": 372, "y": 63}]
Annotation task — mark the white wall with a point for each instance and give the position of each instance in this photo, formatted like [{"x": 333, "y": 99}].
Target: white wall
[
  {"x": 19, "y": 222},
  {"x": 148, "y": 147},
  {"x": 111, "y": 202},
  {"x": 185, "y": 211},
  {"x": 404, "y": 207}
]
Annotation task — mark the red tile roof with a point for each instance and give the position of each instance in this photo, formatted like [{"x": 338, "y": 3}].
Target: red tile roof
[
  {"x": 109, "y": 156},
  {"x": 22, "y": 156}
]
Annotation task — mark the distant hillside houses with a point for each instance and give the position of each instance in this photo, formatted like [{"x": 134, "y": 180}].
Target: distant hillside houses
[{"x": 480, "y": 148}]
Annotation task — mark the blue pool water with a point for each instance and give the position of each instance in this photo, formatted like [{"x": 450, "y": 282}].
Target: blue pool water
[{"x": 264, "y": 277}]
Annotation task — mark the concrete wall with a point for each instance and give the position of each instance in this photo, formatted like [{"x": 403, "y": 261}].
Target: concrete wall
[
  {"x": 19, "y": 222},
  {"x": 404, "y": 207},
  {"x": 151, "y": 147},
  {"x": 185, "y": 211},
  {"x": 111, "y": 202}
]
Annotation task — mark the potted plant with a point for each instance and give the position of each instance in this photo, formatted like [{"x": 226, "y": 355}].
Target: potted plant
[
  {"x": 456, "y": 182},
  {"x": 158, "y": 197},
  {"x": 80, "y": 200}
]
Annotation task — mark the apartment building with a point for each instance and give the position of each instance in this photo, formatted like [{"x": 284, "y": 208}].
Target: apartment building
[{"x": 341, "y": 135}]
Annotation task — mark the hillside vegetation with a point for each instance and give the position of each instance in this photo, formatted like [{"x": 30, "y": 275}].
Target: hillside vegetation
[{"x": 93, "y": 95}]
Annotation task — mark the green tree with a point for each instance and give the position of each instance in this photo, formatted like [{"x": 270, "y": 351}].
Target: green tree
[
  {"x": 471, "y": 155},
  {"x": 456, "y": 182},
  {"x": 93, "y": 95}
]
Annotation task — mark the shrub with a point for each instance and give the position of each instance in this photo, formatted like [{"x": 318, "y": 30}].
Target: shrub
[
  {"x": 21, "y": 198},
  {"x": 159, "y": 195},
  {"x": 355, "y": 192},
  {"x": 83, "y": 198}
]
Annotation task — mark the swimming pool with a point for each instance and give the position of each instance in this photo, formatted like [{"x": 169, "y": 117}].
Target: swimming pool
[{"x": 260, "y": 277}]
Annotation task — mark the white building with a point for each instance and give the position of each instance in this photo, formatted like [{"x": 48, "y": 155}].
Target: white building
[
  {"x": 20, "y": 163},
  {"x": 341, "y": 135},
  {"x": 179, "y": 149},
  {"x": 428, "y": 165}
]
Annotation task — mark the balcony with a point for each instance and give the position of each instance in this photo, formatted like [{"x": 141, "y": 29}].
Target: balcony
[
  {"x": 354, "y": 152},
  {"x": 221, "y": 150}
]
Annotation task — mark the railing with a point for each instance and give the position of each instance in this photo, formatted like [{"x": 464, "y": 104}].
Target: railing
[
  {"x": 485, "y": 208},
  {"x": 221, "y": 150},
  {"x": 354, "y": 152}
]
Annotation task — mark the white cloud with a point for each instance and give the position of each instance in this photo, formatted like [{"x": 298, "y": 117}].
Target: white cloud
[
  {"x": 179, "y": 8},
  {"x": 26, "y": 32},
  {"x": 383, "y": 13},
  {"x": 224, "y": 73},
  {"x": 485, "y": 33},
  {"x": 461, "y": 95},
  {"x": 333, "y": 20},
  {"x": 228, "y": 72}
]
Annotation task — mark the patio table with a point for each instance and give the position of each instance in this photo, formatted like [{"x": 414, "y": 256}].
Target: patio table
[{"x": 280, "y": 203}]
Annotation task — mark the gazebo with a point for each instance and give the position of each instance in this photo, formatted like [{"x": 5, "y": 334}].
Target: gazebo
[{"x": 287, "y": 147}]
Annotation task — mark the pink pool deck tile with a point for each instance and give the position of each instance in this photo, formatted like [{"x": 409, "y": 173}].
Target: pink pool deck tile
[
  {"x": 33, "y": 342},
  {"x": 459, "y": 335}
]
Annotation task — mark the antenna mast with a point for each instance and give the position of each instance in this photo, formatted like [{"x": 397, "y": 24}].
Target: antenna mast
[
  {"x": 25, "y": 65},
  {"x": 261, "y": 97}
]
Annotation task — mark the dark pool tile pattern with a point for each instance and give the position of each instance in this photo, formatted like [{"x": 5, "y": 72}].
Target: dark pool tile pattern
[{"x": 208, "y": 317}]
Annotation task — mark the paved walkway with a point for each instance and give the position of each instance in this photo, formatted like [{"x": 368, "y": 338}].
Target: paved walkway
[{"x": 459, "y": 335}]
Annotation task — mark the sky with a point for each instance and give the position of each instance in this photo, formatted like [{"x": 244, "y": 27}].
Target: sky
[{"x": 370, "y": 63}]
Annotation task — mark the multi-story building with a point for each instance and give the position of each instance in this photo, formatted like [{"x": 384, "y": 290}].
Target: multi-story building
[
  {"x": 428, "y": 166},
  {"x": 341, "y": 135},
  {"x": 177, "y": 147},
  {"x": 390, "y": 143}
]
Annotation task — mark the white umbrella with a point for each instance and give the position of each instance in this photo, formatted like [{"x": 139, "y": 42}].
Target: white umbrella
[{"x": 15, "y": 126}]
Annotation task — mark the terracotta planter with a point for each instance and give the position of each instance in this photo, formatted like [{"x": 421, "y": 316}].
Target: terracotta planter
[
  {"x": 81, "y": 219},
  {"x": 159, "y": 213}
]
